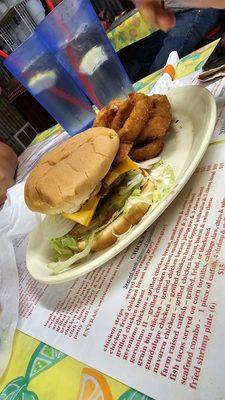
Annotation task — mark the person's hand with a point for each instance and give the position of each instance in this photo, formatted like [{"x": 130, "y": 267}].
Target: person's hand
[
  {"x": 158, "y": 17},
  {"x": 155, "y": 14}
]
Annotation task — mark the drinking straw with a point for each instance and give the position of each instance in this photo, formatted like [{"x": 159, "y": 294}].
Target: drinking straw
[
  {"x": 3, "y": 54},
  {"x": 49, "y": 5},
  {"x": 58, "y": 92},
  {"x": 74, "y": 60}
]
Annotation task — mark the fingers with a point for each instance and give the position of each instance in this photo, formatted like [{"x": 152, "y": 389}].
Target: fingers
[{"x": 155, "y": 15}]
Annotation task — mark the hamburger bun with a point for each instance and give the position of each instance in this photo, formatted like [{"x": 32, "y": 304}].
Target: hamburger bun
[
  {"x": 109, "y": 235},
  {"x": 66, "y": 177}
]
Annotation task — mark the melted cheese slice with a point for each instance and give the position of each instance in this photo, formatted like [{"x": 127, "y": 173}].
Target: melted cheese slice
[
  {"x": 86, "y": 213},
  {"x": 125, "y": 166}
]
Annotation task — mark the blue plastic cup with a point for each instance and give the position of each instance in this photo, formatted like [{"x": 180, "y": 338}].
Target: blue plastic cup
[
  {"x": 73, "y": 33},
  {"x": 45, "y": 78}
]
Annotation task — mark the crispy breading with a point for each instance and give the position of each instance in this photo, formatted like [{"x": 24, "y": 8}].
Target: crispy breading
[{"x": 148, "y": 151}]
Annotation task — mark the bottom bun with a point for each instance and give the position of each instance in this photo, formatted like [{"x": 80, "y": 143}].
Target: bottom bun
[{"x": 108, "y": 236}]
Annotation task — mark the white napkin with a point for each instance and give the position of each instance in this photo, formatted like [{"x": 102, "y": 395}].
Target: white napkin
[
  {"x": 15, "y": 220},
  {"x": 9, "y": 300},
  {"x": 165, "y": 82}
]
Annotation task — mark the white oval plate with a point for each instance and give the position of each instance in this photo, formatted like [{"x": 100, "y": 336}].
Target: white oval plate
[{"x": 194, "y": 117}]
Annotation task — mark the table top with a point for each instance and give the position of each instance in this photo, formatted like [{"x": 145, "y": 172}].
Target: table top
[
  {"x": 119, "y": 20},
  {"x": 44, "y": 373},
  {"x": 130, "y": 29}
]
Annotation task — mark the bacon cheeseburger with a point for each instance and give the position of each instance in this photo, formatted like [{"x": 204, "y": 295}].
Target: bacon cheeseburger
[{"x": 89, "y": 201}]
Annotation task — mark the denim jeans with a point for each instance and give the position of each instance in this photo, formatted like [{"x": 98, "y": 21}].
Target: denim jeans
[{"x": 191, "y": 27}]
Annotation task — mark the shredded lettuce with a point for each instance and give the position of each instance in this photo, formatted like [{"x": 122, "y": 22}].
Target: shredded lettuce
[
  {"x": 112, "y": 205},
  {"x": 134, "y": 181},
  {"x": 163, "y": 177},
  {"x": 129, "y": 194},
  {"x": 147, "y": 165},
  {"x": 63, "y": 247},
  {"x": 60, "y": 266}
]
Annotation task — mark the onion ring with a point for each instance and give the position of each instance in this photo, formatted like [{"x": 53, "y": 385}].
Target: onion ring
[
  {"x": 148, "y": 151},
  {"x": 160, "y": 101},
  {"x": 159, "y": 122},
  {"x": 156, "y": 127},
  {"x": 124, "y": 150},
  {"x": 122, "y": 114},
  {"x": 137, "y": 119},
  {"x": 105, "y": 116}
]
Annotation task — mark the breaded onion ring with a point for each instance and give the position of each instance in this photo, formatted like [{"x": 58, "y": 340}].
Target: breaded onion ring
[
  {"x": 160, "y": 101},
  {"x": 105, "y": 117},
  {"x": 156, "y": 127},
  {"x": 122, "y": 115},
  {"x": 137, "y": 118},
  {"x": 159, "y": 122},
  {"x": 148, "y": 151},
  {"x": 124, "y": 150}
]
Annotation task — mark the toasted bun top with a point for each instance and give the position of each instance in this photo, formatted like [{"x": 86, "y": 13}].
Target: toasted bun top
[{"x": 64, "y": 179}]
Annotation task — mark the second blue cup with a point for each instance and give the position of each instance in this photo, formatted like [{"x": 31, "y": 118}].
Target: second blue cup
[
  {"x": 45, "y": 78},
  {"x": 73, "y": 33}
]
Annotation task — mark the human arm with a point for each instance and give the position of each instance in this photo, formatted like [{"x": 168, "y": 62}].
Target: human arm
[
  {"x": 159, "y": 17},
  {"x": 8, "y": 164}
]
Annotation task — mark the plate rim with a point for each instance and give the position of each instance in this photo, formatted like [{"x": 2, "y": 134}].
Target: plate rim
[{"x": 144, "y": 224}]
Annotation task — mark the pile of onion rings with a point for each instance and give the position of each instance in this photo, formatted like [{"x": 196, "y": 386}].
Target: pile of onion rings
[{"x": 141, "y": 122}]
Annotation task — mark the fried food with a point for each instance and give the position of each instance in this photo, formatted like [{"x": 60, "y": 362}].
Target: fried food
[
  {"x": 160, "y": 101},
  {"x": 156, "y": 127},
  {"x": 140, "y": 121},
  {"x": 124, "y": 150},
  {"x": 135, "y": 96},
  {"x": 138, "y": 117},
  {"x": 148, "y": 151},
  {"x": 126, "y": 117},
  {"x": 105, "y": 117},
  {"x": 122, "y": 115},
  {"x": 159, "y": 122}
]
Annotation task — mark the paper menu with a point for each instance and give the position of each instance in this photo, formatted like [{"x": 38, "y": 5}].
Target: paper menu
[
  {"x": 218, "y": 90},
  {"x": 154, "y": 323},
  {"x": 9, "y": 301}
]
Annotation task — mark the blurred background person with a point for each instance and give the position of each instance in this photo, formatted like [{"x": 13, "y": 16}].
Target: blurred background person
[
  {"x": 150, "y": 54},
  {"x": 157, "y": 16},
  {"x": 190, "y": 29},
  {"x": 105, "y": 19},
  {"x": 8, "y": 165}
]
